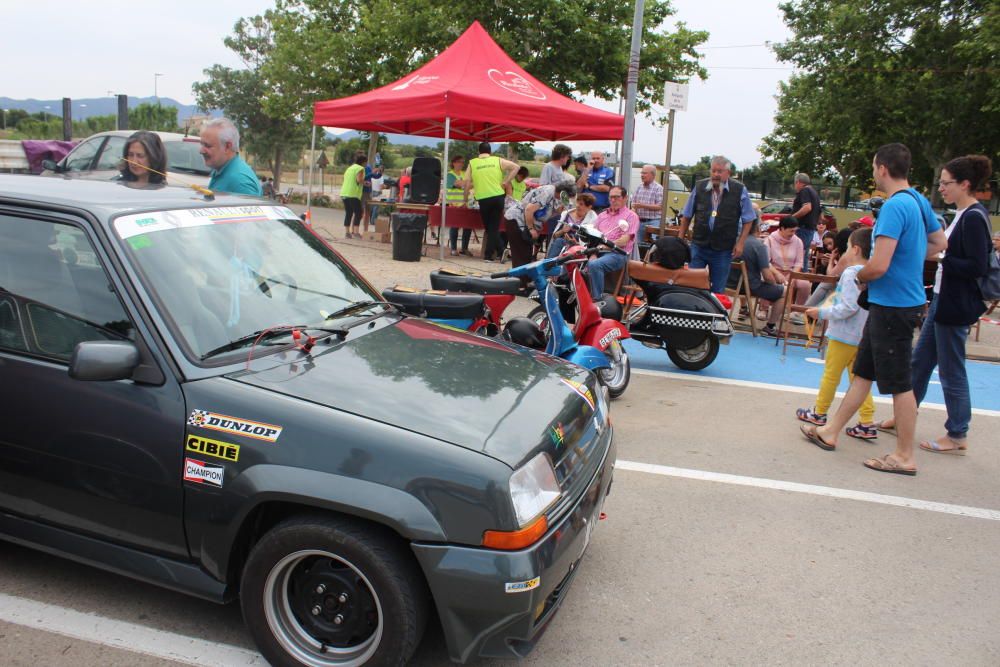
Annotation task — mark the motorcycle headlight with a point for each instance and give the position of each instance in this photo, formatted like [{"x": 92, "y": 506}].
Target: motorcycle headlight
[{"x": 533, "y": 489}]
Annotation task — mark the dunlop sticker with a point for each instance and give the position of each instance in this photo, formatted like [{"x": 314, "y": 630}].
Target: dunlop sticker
[
  {"x": 235, "y": 425},
  {"x": 220, "y": 450},
  {"x": 522, "y": 586},
  {"x": 200, "y": 472}
]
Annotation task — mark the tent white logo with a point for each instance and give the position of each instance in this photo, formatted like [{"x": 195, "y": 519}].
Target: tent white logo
[
  {"x": 416, "y": 80},
  {"x": 515, "y": 83}
]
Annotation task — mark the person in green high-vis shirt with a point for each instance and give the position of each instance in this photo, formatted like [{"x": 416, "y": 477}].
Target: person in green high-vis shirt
[
  {"x": 489, "y": 176},
  {"x": 454, "y": 195},
  {"x": 518, "y": 187},
  {"x": 350, "y": 192}
]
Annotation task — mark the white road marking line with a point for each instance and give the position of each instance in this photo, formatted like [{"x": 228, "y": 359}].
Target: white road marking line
[
  {"x": 122, "y": 635},
  {"x": 790, "y": 388},
  {"x": 796, "y": 487}
]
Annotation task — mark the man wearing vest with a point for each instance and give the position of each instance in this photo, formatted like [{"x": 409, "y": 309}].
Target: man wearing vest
[
  {"x": 722, "y": 214},
  {"x": 454, "y": 195},
  {"x": 489, "y": 176}
]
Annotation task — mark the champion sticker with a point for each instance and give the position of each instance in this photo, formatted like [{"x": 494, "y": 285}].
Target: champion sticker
[
  {"x": 234, "y": 425},
  {"x": 220, "y": 450},
  {"x": 522, "y": 586},
  {"x": 200, "y": 472},
  {"x": 580, "y": 389}
]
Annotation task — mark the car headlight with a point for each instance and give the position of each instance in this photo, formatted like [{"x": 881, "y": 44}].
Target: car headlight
[{"x": 533, "y": 489}]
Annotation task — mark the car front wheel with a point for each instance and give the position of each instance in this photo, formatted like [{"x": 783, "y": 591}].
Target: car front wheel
[{"x": 328, "y": 592}]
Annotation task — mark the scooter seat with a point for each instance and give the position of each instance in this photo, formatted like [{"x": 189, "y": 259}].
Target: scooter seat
[
  {"x": 474, "y": 284},
  {"x": 435, "y": 305},
  {"x": 654, "y": 273}
]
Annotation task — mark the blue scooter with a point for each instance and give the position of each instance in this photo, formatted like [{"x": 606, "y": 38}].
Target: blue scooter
[{"x": 595, "y": 343}]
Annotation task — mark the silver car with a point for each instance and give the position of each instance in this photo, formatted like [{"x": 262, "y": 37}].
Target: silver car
[{"x": 98, "y": 157}]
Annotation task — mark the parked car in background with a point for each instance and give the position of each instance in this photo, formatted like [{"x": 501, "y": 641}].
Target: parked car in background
[
  {"x": 97, "y": 157},
  {"x": 774, "y": 211},
  {"x": 205, "y": 396}
]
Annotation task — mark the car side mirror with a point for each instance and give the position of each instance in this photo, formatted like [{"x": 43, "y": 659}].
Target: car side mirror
[
  {"x": 51, "y": 165},
  {"x": 103, "y": 360}
]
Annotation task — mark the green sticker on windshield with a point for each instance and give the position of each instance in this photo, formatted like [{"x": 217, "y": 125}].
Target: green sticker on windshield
[{"x": 139, "y": 242}]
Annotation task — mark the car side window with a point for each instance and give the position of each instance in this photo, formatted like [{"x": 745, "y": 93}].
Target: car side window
[
  {"x": 54, "y": 292},
  {"x": 82, "y": 156},
  {"x": 111, "y": 154}
]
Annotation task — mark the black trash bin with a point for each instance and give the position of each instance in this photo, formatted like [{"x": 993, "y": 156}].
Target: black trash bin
[{"x": 408, "y": 236}]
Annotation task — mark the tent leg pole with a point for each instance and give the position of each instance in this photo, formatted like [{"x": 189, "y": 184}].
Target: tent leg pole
[
  {"x": 444, "y": 182},
  {"x": 309, "y": 192}
]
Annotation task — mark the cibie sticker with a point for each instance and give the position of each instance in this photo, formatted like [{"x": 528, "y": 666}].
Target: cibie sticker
[
  {"x": 220, "y": 450},
  {"x": 522, "y": 586},
  {"x": 235, "y": 425},
  {"x": 200, "y": 472}
]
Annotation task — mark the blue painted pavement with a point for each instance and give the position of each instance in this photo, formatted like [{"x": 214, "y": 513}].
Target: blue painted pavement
[{"x": 758, "y": 360}]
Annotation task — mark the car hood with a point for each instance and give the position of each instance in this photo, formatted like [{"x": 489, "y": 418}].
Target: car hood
[{"x": 482, "y": 394}]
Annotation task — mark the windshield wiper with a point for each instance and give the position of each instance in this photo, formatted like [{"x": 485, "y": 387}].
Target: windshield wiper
[
  {"x": 267, "y": 334},
  {"x": 355, "y": 307}
]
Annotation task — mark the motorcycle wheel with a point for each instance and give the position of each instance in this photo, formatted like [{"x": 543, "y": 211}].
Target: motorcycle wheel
[
  {"x": 697, "y": 357},
  {"x": 617, "y": 377},
  {"x": 541, "y": 318}
]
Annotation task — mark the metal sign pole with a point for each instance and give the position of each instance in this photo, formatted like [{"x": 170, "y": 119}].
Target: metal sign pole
[{"x": 666, "y": 161}]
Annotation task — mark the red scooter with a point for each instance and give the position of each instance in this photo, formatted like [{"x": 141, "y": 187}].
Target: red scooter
[{"x": 465, "y": 301}]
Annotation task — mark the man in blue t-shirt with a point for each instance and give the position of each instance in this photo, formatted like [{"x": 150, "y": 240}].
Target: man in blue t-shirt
[
  {"x": 906, "y": 233},
  {"x": 597, "y": 180},
  {"x": 220, "y": 146}
]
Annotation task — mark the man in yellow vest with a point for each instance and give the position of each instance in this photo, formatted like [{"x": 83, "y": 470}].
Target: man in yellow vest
[
  {"x": 454, "y": 195},
  {"x": 489, "y": 176}
]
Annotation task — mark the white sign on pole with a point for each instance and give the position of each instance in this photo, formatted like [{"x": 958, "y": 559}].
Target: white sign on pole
[{"x": 675, "y": 96}]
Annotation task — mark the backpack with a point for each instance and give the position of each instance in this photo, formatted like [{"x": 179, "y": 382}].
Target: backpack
[{"x": 989, "y": 284}]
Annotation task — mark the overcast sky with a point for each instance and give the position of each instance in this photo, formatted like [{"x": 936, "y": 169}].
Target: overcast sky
[{"x": 116, "y": 47}]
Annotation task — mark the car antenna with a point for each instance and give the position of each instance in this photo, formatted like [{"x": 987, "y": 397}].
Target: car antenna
[{"x": 208, "y": 194}]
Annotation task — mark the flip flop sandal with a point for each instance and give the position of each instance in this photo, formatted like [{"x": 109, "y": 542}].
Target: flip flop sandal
[
  {"x": 887, "y": 464},
  {"x": 814, "y": 437},
  {"x": 935, "y": 446},
  {"x": 891, "y": 430}
]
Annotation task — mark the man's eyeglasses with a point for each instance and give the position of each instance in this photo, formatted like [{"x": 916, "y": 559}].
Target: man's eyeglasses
[
  {"x": 946, "y": 182},
  {"x": 616, "y": 197}
]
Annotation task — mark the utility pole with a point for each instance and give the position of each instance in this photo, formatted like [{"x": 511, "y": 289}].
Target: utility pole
[
  {"x": 156, "y": 94},
  {"x": 631, "y": 84}
]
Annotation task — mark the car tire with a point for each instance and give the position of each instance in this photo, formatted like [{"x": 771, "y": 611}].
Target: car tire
[{"x": 324, "y": 591}]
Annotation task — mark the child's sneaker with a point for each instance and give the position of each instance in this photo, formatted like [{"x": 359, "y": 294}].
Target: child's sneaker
[
  {"x": 807, "y": 415},
  {"x": 862, "y": 431}
]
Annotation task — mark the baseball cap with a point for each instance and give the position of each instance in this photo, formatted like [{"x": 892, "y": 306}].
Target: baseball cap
[{"x": 867, "y": 221}]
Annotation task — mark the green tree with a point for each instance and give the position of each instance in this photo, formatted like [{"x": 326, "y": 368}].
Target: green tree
[
  {"x": 275, "y": 133},
  {"x": 333, "y": 48},
  {"x": 153, "y": 117},
  {"x": 922, "y": 72}
]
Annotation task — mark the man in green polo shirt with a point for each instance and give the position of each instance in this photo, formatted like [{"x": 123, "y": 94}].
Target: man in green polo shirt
[
  {"x": 220, "y": 145},
  {"x": 489, "y": 176}
]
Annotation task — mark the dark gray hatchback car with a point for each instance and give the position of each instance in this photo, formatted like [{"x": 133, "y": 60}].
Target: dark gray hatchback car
[{"x": 204, "y": 395}]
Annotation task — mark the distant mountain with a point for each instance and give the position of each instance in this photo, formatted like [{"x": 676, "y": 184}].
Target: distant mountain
[
  {"x": 84, "y": 108},
  {"x": 397, "y": 139}
]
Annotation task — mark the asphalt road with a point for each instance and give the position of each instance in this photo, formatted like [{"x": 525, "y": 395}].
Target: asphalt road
[{"x": 740, "y": 544}]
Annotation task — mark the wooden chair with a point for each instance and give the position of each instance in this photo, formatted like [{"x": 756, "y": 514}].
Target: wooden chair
[
  {"x": 784, "y": 325},
  {"x": 991, "y": 306},
  {"x": 742, "y": 293}
]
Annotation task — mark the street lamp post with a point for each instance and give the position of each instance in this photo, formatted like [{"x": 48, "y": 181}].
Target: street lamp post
[
  {"x": 5, "y": 119},
  {"x": 156, "y": 78}
]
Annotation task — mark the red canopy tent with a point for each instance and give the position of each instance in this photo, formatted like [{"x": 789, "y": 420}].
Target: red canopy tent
[{"x": 471, "y": 91}]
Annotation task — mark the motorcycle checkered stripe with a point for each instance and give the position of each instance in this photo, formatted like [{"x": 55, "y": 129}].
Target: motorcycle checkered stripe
[{"x": 677, "y": 321}]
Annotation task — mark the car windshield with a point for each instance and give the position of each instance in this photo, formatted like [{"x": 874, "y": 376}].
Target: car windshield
[
  {"x": 223, "y": 274},
  {"x": 185, "y": 157}
]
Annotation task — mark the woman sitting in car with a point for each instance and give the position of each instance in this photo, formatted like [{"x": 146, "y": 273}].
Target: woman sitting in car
[{"x": 144, "y": 160}]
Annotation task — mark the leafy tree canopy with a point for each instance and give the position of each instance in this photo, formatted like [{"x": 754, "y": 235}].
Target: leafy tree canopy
[
  {"x": 275, "y": 134},
  {"x": 332, "y": 48},
  {"x": 921, "y": 72}
]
